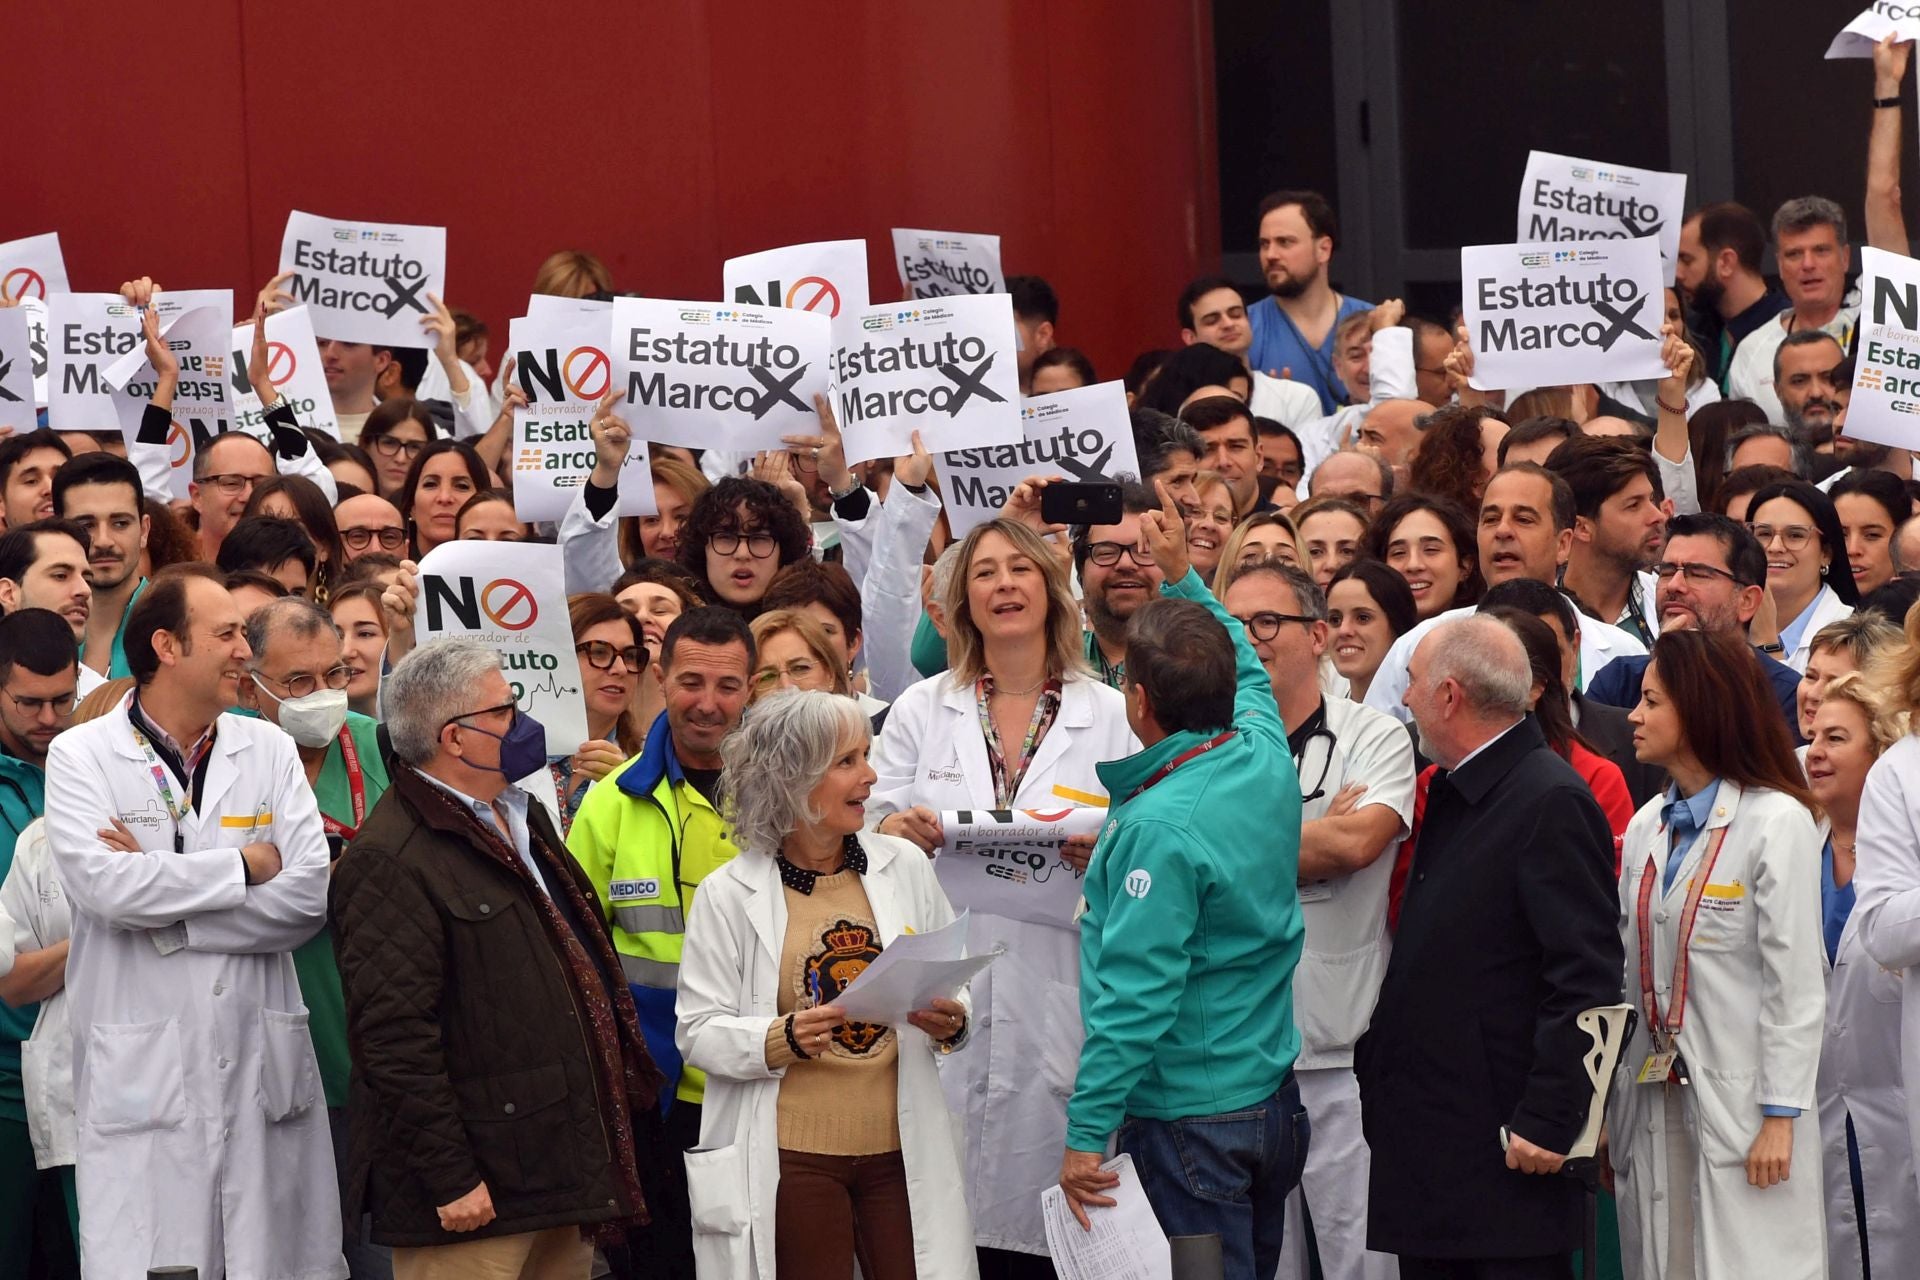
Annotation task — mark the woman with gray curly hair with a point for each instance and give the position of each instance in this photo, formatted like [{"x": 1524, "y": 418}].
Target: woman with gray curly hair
[{"x": 822, "y": 1141}]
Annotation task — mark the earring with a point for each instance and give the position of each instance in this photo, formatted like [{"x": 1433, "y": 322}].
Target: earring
[{"x": 1823, "y": 570}]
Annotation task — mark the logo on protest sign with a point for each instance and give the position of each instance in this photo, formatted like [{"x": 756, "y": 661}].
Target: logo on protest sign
[
  {"x": 370, "y": 283},
  {"x": 563, "y": 361},
  {"x": 1562, "y": 198},
  {"x": 938, "y": 264},
  {"x": 1547, "y": 315},
  {"x": 22, "y": 282},
  {"x": 32, "y": 269},
  {"x": 583, "y": 374}
]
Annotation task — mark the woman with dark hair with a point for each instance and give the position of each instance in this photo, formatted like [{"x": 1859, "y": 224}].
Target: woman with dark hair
[
  {"x": 739, "y": 534},
  {"x": 488, "y": 516},
  {"x": 1334, "y": 531},
  {"x": 1708, "y": 431},
  {"x": 1188, "y": 370},
  {"x": 1061, "y": 369},
  {"x": 1872, "y": 505},
  {"x": 1808, "y": 576},
  {"x": 169, "y": 540},
  {"x": 298, "y": 498},
  {"x": 1458, "y": 453},
  {"x": 395, "y": 433},
  {"x": 1720, "y": 912},
  {"x": 444, "y": 474},
  {"x": 1430, "y": 542},
  {"x": 613, "y": 656},
  {"x": 1368, "y": 607}
]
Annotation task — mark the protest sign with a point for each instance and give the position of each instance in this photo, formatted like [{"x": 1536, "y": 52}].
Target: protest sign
[
  {"x": 1900, "y": 18},
  {"x": 941, "y": 264},
  {"x": 1543, "y": 315},
  {"x": 542, "y": 305},
  {"x": 1084, "y": 433},
  {"x": 366, "y": 281},
  {"x": 1885, "y": 407},
  {"x": 946, "y": 368},
  {"x": 723, "y": 377},
  {"x": 35, "y": 311},
  {"x": 1564, "y": 198},
  {"x": 16, "y": 371},
  {"x": 32, "y": 268},
  {"x": 828, "y": 277},
  {"x": 86, "y": 332},
  {"x": 1006, "y": 862},
  {"x": 512, "y": 597},
  {"x": 562, "y": 363},
  {"x": 293, "y": 364},
  {"x": 197, "y": 325}
]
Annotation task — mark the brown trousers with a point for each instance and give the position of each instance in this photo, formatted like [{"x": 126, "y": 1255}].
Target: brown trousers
[
  {"x": 558, "y": 1253},
  {"x": 833, "y": 1210}
]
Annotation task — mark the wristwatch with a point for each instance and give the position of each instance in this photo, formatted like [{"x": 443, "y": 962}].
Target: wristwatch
[{"x": 1775, "y": 647}]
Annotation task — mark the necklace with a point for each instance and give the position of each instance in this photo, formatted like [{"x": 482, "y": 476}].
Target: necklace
[{"x": 1019, "y": 693}]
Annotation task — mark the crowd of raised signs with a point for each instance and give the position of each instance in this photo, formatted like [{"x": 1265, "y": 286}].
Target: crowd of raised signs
[{"x": 241, "y": 597}]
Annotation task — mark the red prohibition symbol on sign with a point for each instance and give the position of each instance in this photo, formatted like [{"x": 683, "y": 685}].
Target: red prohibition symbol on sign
[
  {"x": 22, "y": 282},
  {"x": 503, "y": 601},
  {"x": 177, "y": 440},
  {"x": 814, "y": 293},
  {"x": 280, "y": 363},
  {"x": 588, "y": 372}
]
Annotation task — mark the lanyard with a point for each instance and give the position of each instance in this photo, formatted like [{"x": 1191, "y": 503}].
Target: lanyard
[
  {"x": 1665, "y": 1031},
  {"x": 356, "y": 789},
  {"x": 1006, "y": 778},
  {"x": 1160, "y": 774},
  {"x": 175, "y": 809}
]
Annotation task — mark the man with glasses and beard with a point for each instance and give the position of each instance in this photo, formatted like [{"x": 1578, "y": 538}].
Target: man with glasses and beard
[
  {"x": 1117, "y": 576},
  {"x": 103, "y": 495}
]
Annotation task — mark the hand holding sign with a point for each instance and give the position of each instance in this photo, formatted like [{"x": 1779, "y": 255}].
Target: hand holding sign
[
  {"x": 259, "y": 359},
  {"x": 1677, "y": 354},
  {"x": 775, "y": 467},
  {"x": 397, "y": 602},
  {"x": 612, "y": 438},
  {"x": 1386, "y": 314},
  {"x": 1890, "y": 64},
  {"x": 826, "y": 450},
  {"x": 159, "y": 355},
  {"x": 275, "y": 296},
  {"x": 915, "y": 468},
  {"x": 139, "y": 292}
]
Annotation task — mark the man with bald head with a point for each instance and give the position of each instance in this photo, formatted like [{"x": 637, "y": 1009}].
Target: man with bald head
[
  {"x": 1506, "y": 934},
  {"x": 368, "y": 522},
  {"x": 1363, "y": 478},
  {"x": 1392, "y": 429},
  {"x": 225, "y": 470},
  {"x": 1906, "y": 547}
]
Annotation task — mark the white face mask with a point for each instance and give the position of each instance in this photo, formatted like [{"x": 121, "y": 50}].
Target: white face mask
[{"x": 313, "y": 720}]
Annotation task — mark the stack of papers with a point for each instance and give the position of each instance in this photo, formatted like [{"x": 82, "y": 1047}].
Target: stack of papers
[
  {"x": 1126, "y": 1242},
  {"x": 909, "y": 973}
]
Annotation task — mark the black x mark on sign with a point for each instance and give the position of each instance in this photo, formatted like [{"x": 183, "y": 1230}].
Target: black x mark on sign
[
  {"x": 968, "y": 385},
  {"x": 405, "y": 295},
  {"x": 1619, "y": 322},
  {"x": 776, "y": 390}
]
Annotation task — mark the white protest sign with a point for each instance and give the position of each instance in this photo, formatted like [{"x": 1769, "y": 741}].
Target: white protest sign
[
  {"x": 723, "y": 377},
  {"x": 366, "y": 281},
  {"x": 1545, "y": 315},
  {"x": 1006, "y": 862},
  {"x": 16, "y": 371},
  {"x": 829, "y": 277},
  {"x": 86, "y": 332},
  {"x": 941, "y": 264},
  {"x": 562, "y": 363},
  {"x": 32, "y": 268},
  {"x": 1084, "y": 433},
  {"x": 945, "y": 368},
  {"x": 35, "y": 311},
  {"x": 1900, "y": 18},
  {"x": 1565, "y": 198},
  {"x": 542, "y": 305},
  {"x": 512, "y": 597},
  {"x": 197, "y": 325},
  {"x": 293, "y": 364},
  {"x": 1885, "y": 407}
]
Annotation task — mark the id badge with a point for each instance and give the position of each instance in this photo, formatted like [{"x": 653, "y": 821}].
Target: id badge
[{"x": 1658, "y": 1068}]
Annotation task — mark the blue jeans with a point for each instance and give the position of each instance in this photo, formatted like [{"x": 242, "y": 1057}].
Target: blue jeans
[{"x": 1227, "y": 1175}]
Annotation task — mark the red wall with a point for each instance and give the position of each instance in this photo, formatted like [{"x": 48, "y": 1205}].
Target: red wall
[{"x": 665, "y": 137}]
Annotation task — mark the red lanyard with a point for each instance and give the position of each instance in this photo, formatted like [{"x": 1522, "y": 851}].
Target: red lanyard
[
  {"x": 1160, "y": 774},
  {"x": 1664, "y": 1032},
  {"x": 356, "y": 789}
]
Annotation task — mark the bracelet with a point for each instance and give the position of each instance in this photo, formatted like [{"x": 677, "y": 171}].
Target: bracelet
[
  {"x": 1667, "y": 408},
  {"x": 793, "y": 1041},
  {"x": 1881, "y": 104},
  {"x": 836, "y": 495},
  {"x": 1775, "y": 647}
]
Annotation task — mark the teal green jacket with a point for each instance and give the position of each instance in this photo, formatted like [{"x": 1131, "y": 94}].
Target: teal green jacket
[
  {"x": 117, "y": 663},
  {"x": 1193, "y": 927},
  {"x": 23, "y": 797}
]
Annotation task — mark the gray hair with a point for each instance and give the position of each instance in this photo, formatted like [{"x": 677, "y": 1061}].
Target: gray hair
[
  {"x": 773, "y": 761},
  {"x": 1308, "y": 598},
  {"x": 1486, "y": 659},
  {"x": 1806, "y": 212},
  {"x": 295, "y": 614},
  {"x": 1759, "y": 430},
  {"x": 427, "y": 686},
  {"x": 944, "y": 567}
]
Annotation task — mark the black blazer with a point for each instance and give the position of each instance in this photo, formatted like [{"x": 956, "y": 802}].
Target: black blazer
[
  {"x": 1508, "y": 930},
  {"x": 1608, "y": 732}
]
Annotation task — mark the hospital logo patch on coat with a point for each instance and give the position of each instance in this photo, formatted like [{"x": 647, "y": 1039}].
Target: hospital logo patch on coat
[
  {"x": 634, "y": 889},
  {"x": 1139, "y": 883}
]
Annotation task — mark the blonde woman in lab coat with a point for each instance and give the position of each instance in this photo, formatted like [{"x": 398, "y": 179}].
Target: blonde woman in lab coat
[
  {"x": 1717, "y": 1150},
  {"x": 1018, "y": 722}
]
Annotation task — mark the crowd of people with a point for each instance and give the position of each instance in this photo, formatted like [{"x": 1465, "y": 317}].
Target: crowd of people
[{"x": 1424, "y": 721}]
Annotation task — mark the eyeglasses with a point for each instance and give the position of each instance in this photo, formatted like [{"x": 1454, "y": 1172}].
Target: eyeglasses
[
  {"x": 32, "y": 707},
  {"x": 1794, "y": 536},
  {"x": 1265, "y": 625},
  {"x": 1107, "y": 554},
  {"x": 805, "y": 463},
  {"x": 230, "y": 482},
  {"x": 483, "y": 711},
  {"x": 600, "y": 655},
  {"x": 299, "y": 686},
  {"x": 759, "y": 545},
  {"x": 799, "y": 670},
  {"x": 358, "y": 537},
  {"x": 1696, "y": 572},
  {"x": 395, "y": 447}
]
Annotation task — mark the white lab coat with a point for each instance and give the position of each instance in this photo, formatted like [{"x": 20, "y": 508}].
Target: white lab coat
[
  {"x": 202, "y": 1130},
  {"x": 1860, "y": 1078},
  {"x": 1886, "y": 921},
  {"x": 1011, "y": 1083},
  {"x": 729, "y": 993},
  {"x": 35, "y": 907},
  {"x": 1827, "y": 607},
  {"x": 1751, "y": 1038}
]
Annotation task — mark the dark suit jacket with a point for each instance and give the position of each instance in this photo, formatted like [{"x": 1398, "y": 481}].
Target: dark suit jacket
[
  {"x": 1508, "y": 932},
  {"x": 1609, "y": 733},
  {"x": 1619, "y": 686}
]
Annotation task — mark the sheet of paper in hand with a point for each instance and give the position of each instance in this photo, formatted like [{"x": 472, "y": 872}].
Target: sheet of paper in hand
[
  {"x": 1007, "y": 862},
  {"x": 561, "y": 360},
  {"x": 1081, "y": 434},
  {"x": 947, "y": 368},
  {"x": 1543, "y": 315},
  {"x": 829, "y": 277},
  {"x": 32, "y": 268},
  {"x": 1899, "y": 18},
  {"x": 942, "y": 264},
  {"x": 366, "y": 281},
  {"x": 719, "y": 376},
  {"x": 293, "y": 363},
  {"x": 1565, "y": 198}
]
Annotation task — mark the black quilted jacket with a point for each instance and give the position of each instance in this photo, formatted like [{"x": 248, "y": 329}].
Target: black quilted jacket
[{"x": 470, "y": 1060}]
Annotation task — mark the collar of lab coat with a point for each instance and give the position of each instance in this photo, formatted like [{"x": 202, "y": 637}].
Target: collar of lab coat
[
  {"x": 1726, "y": 806},
  {"x": 766, "y": 903},
  {"x": 1076, "y": 712},
  {"x": 221, "y": 771}
]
